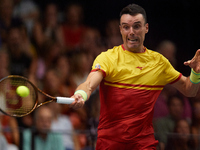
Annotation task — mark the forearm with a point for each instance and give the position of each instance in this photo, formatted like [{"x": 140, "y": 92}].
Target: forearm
[
  {"x": 186, "y": 87},
  {"x": 86, "y": 88},
  {"x": 191, "y": 89},
  {"x": 93, "y": 80}
]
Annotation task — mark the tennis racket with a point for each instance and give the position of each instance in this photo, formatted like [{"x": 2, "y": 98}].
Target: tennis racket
[{"x": 16, "y": 106}]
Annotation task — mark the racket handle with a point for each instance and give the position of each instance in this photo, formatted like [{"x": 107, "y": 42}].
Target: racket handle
[{"x": 64, "y": 100}]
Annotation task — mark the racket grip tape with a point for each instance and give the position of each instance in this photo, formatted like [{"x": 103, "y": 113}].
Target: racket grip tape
[{"x": 64, "y": 100}]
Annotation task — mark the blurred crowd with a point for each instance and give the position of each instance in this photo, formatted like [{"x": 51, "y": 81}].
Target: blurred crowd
[{"x": 55, "y": 50}]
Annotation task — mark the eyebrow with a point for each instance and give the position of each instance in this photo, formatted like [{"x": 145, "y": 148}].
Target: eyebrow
[{"x": 138, "y": 22}]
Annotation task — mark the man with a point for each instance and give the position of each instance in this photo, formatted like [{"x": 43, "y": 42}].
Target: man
[
  {"x": 131, "y": 77},
  {"x": 43, "y": 139}
]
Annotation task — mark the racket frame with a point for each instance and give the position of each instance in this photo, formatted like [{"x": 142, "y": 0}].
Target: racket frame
[{"x": 36, "y": 105}]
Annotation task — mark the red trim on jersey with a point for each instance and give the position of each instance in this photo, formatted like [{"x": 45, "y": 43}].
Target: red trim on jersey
[
  {"x": 177, "y": 79},
  {"x": 137, "y": 85},
  {"x": 104, "y": 73},
  {"x": 123, "y": 47}
]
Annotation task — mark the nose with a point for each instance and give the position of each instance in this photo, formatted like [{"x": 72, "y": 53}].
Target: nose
[{"x": 131, "y": 31}]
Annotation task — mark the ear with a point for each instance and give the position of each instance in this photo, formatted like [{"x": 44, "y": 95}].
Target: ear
[
  {"x": 120, "y": 28},
  {"x": 147, "y": 27}
]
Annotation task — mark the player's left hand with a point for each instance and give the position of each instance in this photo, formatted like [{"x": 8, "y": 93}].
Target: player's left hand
[{"x": 194, "y": 62}]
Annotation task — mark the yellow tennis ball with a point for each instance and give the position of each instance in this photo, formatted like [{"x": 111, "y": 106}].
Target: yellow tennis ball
[{"x": 22, "y": 91}]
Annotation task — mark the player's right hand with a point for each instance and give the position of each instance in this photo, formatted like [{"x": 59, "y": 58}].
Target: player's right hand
[{"x": 78, "y": 101}]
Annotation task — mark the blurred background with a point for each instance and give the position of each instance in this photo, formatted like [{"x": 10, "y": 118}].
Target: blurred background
[
  {"x": 176, "y": 20},
  {"x": 54, "y": 42}
]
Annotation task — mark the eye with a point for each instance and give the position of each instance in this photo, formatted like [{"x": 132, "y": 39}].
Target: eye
[
  {"x": 137, "y": 26},
  {"x": 125, "y": 27}
]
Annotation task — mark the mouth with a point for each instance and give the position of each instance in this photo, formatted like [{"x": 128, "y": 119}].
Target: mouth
[{"x": 132, "y": 40}]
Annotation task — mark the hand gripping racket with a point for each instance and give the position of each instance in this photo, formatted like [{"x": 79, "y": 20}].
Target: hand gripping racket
[{"x": 14, "y": 105}]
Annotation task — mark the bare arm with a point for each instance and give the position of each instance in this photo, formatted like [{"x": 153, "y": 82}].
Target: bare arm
[
  {"x": 184, "y": 85},
  {"x": 91, "y": 83}
]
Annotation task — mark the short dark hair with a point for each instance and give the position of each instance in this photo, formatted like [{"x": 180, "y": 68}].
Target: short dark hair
[{"x": 134, "y": 9}]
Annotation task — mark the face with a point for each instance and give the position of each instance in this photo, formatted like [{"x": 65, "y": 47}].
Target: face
[
  {"x": 53, "y": 81},
  {"x": 51, "y": 15},
  {"x": 133, "y": 30},
  {"x": 44, "y": 119},
  {"x": 74, "y": 14},
  {"x": 176, "y": 108},
  {"x": 14, "y": 39},
  {"x": 183, "y": 129}
]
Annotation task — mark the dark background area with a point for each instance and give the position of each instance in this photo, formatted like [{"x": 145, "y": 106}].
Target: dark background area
[{"x": 175, "y": 20}]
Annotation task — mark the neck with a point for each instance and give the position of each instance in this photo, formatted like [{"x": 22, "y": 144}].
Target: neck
[{"x": 140, "y": 49}]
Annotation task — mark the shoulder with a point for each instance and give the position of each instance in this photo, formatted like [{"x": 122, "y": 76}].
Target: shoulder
[
  {"x": 154, "y": 53},
  {"x": 159, "y": 58},
  {"x": 115, "y": 49},
  {"x": 110, "y": 53}
]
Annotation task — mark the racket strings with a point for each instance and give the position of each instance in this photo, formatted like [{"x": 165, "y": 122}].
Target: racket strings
[{"x": 13, "y": 104}]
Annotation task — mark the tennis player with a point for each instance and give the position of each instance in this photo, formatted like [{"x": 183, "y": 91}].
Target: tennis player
[{"x": 131, "y": 77}]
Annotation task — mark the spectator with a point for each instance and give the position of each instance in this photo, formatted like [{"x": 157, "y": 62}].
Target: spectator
[
  {"x": 3, "y": 142},
  {"x": 165, "y": 125},
  {"x": 52, "y": 80},
  {"x": 28, "y": 11},
  {"x": 48, "y": 28},
  {"x": 4, "y": 64},
  {"x": 79, "y": 119},
  {"x": 62, "y": 124},
  {"x": 91, "y": 42},
  {"x": 43, "y": 139},
  {"x": 63, "y": 69},
  {"x": 83, "y": 142},
  {"x": 168, "y": 49},
  {"x": 181, "y": 138},
  {"x": 196, "y": 123},
  {"x": 28, "y": 46},
  {"x": 113, "y": 36},
  {"x": 82, "y": 63},
  {"x": 73, "y": 27},
  {"x": 10, "y": 129},
  {"x": 64, "y": 74},
  {"x": 6, "y": 18},
  {"x": 47, "y": 57},
  {"x": 20, "y": 62},
  {"x": 161, "y": 108},
  {"x": 26, "y": 122}
]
